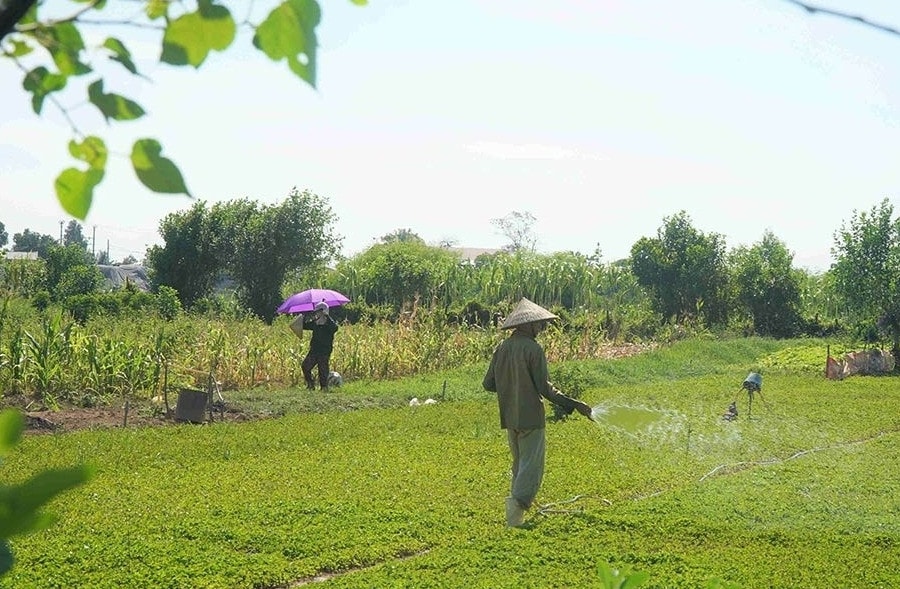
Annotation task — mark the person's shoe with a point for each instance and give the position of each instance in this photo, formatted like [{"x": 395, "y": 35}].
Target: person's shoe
[{"x": 515, "y": 513}]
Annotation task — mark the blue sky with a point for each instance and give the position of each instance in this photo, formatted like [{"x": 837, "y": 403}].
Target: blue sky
[{"x": 600, "y": 119}]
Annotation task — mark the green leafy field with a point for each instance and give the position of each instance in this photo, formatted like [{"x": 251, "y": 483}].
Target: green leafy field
[{"x": 805, "y": 493}]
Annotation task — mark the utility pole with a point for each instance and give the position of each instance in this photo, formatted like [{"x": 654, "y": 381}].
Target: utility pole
[
  {"x": 94, "y": 244},
  {"x": 60, "y": 232}
]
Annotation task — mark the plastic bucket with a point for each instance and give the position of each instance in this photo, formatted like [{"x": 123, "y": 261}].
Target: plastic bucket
[{"x": 191, "y": 405}]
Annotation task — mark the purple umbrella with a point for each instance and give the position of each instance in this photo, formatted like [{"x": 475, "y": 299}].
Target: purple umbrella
[{"x": 307, "y": 299}]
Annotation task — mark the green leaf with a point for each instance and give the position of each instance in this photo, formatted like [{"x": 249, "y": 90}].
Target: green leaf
[
  {"x": 156, "y": 8},
  {"x": 75, "y": 190},
  {"x": 30, "y": 17},
  {"x": 113, "y": 106},
  {"x": 289, "y": 32},
  {"x": 20, "y": 504},
  {"x": 157, "y": 173},
  {"x": 359, "y": 2},
  {"x": 635, "y": 580},
  {"x": 40, "y": 82},
  {"x": 189, "y": 38},
  {"x": 65, "y": 45},
  {"x": 92, "y": 150},
  {"x": 74, "y": 187},
  {"x": 11, "y": 426},
  {"x": 19, "y": 49},
  {"x": 121, "y": 54}
]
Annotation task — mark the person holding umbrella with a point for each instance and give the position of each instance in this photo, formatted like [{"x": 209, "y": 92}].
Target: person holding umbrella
[
  {"x": 518, "y": 374},
  {"x": 323, "y": 328}
]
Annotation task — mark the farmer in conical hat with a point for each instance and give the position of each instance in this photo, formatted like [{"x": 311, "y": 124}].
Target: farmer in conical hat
[{"x": 518, "y": 374}]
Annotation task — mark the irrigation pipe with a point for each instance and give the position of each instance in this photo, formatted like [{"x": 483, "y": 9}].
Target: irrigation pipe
[
  {"x": 721, "y": 470},
  {"x": 740, "y": 466},
  {"x": 555, "y": 507}
]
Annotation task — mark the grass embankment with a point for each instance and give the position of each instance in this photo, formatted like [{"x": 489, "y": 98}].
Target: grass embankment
[{"x": 803, "y": 494}]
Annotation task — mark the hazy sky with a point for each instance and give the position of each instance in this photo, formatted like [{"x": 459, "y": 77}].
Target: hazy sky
[{"x": 599, "y": 118}]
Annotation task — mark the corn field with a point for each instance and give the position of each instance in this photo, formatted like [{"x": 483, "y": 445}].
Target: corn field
[{"x": 52, "y": 359}]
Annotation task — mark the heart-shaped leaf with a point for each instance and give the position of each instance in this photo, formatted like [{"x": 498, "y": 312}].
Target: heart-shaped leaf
[
  {"x": 113, "y": 106},
  {"x": 157, "y": 173},
  {"x": 40, "y": 82},
  {"x": 74, "y": 187},
  {"x": 64, "y": 42},
  {"x": 190, "y": 37},
  {"x": 289, "y": 33},
  {"x": 92, "y": 151},
  {"x": 75, "y": 190}
]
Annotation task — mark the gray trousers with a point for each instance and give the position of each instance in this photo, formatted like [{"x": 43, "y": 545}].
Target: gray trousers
[{"x": 528, "y": 448}]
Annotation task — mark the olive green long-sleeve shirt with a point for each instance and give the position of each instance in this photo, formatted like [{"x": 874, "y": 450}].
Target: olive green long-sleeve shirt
[{"x": 518, "y": 374}]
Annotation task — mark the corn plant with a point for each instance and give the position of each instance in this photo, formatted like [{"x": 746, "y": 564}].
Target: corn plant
[
  {"x": 12, "y": 363},
  {"x": 47, "y": 354}
]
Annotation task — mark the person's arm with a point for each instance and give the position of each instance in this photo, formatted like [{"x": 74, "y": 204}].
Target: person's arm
[
  {"x": 552, "y": 394},
  {"x": 490, "y": 383},
  {"x": 569, "y": 404}
]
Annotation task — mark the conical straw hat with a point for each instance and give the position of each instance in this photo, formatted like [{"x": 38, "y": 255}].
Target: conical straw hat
[{"x": 527, "y": 312}]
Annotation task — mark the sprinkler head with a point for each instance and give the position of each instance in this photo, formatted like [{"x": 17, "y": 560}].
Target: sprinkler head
[{"x": 753, "y": 382}]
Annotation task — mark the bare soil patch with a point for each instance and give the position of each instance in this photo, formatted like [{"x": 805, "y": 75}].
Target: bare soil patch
[{"x": 42, "y": 420}]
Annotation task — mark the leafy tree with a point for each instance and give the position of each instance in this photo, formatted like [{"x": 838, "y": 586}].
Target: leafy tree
[
  {"x": 187, "y": 261},
  {"x": 255, "y": 245},
  {"x": 518, "y": 227},
  {"x": 4, "y": 236},
  {"x": 74, "y": 235},
  {"x": 867, "y": 269},
  {"x": 51, "y": 51},
  {"x": 821, "y": 305},
  {"x": 30, "y": 241},
  {"x": 78, "y": 280},
  {"x": 768, "y": 287},
  {"x": 396, "y": 273},
  {"x": 684, "y": 270},
  {"x": 71, "y": 271},
  {"x": 129, "y": 259},
  {"x": 401, "y": 235},
  {"x": 260, "y": 245}
]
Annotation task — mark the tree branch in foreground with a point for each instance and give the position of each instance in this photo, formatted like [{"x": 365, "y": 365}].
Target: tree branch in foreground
[{"x": 856, "y": 18}]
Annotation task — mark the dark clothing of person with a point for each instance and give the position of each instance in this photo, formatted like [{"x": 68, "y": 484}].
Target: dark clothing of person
[
  {"x": 319, "y": 354},
  {"x": 322, "y": 335},
  {"x": 321, "y": 361},
  {"x": 519, "y": 375}
]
